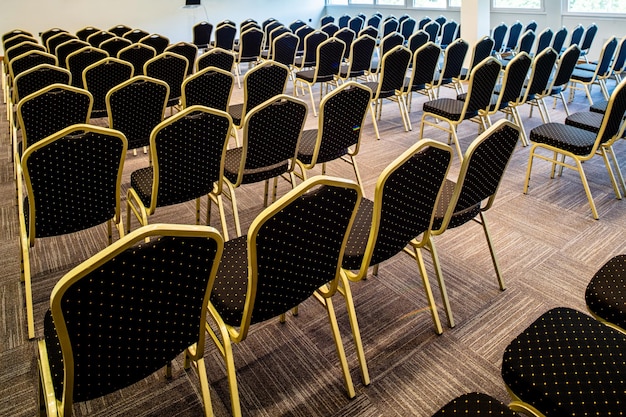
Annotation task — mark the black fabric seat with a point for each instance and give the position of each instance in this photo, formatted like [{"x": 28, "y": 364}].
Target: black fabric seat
[
  {"x": 606, "y": 293},
  {"x": 567, "y": 364},
  {"x": 475, "y": 404},
  {"x": 569, "y": 138}
]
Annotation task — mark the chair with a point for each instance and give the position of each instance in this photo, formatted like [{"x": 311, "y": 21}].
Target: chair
[
  {"x": 171, "y": 68},
  {"x": 225, "y": 33},
  {"x": 544, "y": 382},
  {"x": 271, "y": 135},
  {"x": 338, "y": 134},
  {"x": 560, "y": 81},
  {"x": 114, "y": 45},
  {"x": 46, "y": 35},
  {"x": 441, "y": 20},
  {"x": 120, "y": 30},
  {"x": 525, "y": 44},
  {"x": 267, "y": 28},
  {"x": 326, "y": 19},
  {"x": 113, "y": 294},
  {"x": 417, "y": 40},
  {"x": 284, "y": 49},
  {"x": 347, "y": 36},
  {"x": 390, "y": 26},
  {"x": 188, "y": 50},
  {"x": 137, "y": 106},
  {"x": 210, "y": 87},
  {"x": 135, "y": 35},
  {"x": 137, "y": 55},
  {"x": 604, "y": 294},
  {"x": 158, "y": 42},
  {"x": 587, "y": 76},
  {"x": 197, "y": 135},
  {"x": 432, "y": 28},
  {"x": 355, "y": 24},
  {"x": 473, "y": 193},
  {"x": 216, "y": 57},
  {"x": 77, "y": 61},
  {"x": 476, "y": 105},
  {"x": 294, "y": 234},
  {"x": 407, "y": 27},
  {"x": 619, "y": 61},
  {"x": 96, "y": 38},
  {"x": 328, "y": 58},
  {"x": 386, "y": 44},
  {"x": 450, "y": 72},
  {"x": 62, "y": 51},
  {"x": 295, "y": 25},
  {"x": 374, "y": 20},
  {"x": 201, "y": 35},
  {"x": 449, "y": 32},
  {"x": 249, "y": 50},
  {"x": 498, "y": 33},
  {"x": 558, "y": 41},
  {"x": 269, "y": 42},
  {"x": 330, "y": 29},
  {"x": 393, "y": 68},
  {"x": 99, "y": 78},
  {"x": 512, "y": 40},
  {"x": 576, "y": 36},
  {"x": 400, "y": 215},
  {"x": 302, "y": 33},
  {"x": 57, "y": 39},
  {"x": 310, "y": 44},
  {"x": 581, "y": 145},
  {"x": 369, "y": 30},
  {"x": 481, "y": 50},
  {"x": 544, "y": 40},
  {"x": 587, "y": 40},
  {"x": 423, "y": 22},
  {"x": 531, "y": 25},
  {"x": 343, "y": 21},
  {"x": 359, "y": 59},
  {"x": 65, "y": 194},
  {"x": 475, "y": 403},
  {"x": 425, "y": 66}
]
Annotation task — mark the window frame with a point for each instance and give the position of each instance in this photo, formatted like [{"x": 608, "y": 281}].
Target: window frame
[{"x": 540, "y": 9}]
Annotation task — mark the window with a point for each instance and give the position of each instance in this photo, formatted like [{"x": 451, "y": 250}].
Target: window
[
  {"x": 517, "y": 4},
  {"x": 391, "y": 2},
  {"x": 596, "y": 6},
  {"x": 430, "y": 4}
]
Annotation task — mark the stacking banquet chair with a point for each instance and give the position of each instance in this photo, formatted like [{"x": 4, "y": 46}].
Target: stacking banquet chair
[
  {"x": 475, "y": 403},
  {"x": 57, "y": 39},
  {"x": 563, "y": 140},
  {"x": 188, "y": 50},
  {"x": 513, "y": 38},
  {"x": 120, "y": 30},
  {"x": 338, "y": 135},
  {"x": 292, "y": 252},
  {"x": 326, "y": 72},
  {"x": 525, "y": 44},
  {"x": 432, "y": 28},
  {"x": 417, "y": 40},
  {"x": 359, "y": 59},
  {"x": 302, "y": 33},
  {"x": 423, "y": 22},
  {"x": 216, "y": 57},
  {"x": 424, "y": 68},
  {"x": 114, "y": 45},
  {"x": 597, "y": 73},
  {"x": 271, "y": 136},
  {"x": 347, "y": 36},
  {"x": 474, "y": 107},
  {"x": 49, "y": 33},
  {"x": 386, "y": 44},
  {"x": 284, "y": 49},
  {"x": 343, "y": 21},
  {"x": 99, "y": 78},
  {"x": 449, "y": 32},
  {"x": 77, "y": 61},
  {"x": 135, "y": 107},
  {"x": 393, "y": 68},
  {"x": 201, "y": 37},
  {"x": 544, "y": 40},
  {"x": 481, "y": 50},
  {"x": 171, "y": 68},
  {"x": 158, "y": 42},
  {"x": 330, "y": 29},
  {"x": 250, "y": 45},
  {"x": 62, "y": 51},
  {"x": 561, "y": 76},
  {"x": 309, "y": 53},
  {"x": 407, "y": 27},
  {"x": 450, "y": 72},
  {"x": 566, "y": 364},
  {"x": 225, "y": 33},
  {"x": 137, "y": 54},
  {"x": 135, "y": 35},
  {"x": 130, "y": 303},
  {"x": 558, "y": 41},
  {"x": 326, "y": 19},
  {"x": 210, "y": 87},
  {"x": 356, "y": 24},
  {"x": 65, "y": 194},
  {"x": 369, "y": 30},
  {"x": 587, "y": 40},
  {"x": 473, "y": 193},
  {"x": 261, "y": 83},
  {"x": 197, "y": 135},
  {"x": 498, "y": 34},
  {"x": 96, "y": 38}
]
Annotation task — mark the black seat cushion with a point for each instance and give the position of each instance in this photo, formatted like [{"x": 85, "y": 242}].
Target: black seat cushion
[
  {"x": 568, "y": 364},
  {"x": 568, "y": 138},
  {"x": 475, "y": 404},
  {"x": 599, "y": 106},
  {"x": 606, "y": 292},
  {"x": 448, "y": 108}
]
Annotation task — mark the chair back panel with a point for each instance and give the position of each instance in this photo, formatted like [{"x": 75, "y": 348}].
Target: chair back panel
[
  {"x": 347, "y": 36},
  {"x": 262, "y": 83},
  {"x": 417, "y": 40},
  {"x": 393, "y": 70},
  {"x": 217, "y": 57},
  {"x": 34, "y": 79},
  {"x": 250, "y": 44},
  {"x": 498, "y": 34},
  {"x": 425, "y": 64},
  {"x": 514, "y": 35},
  {"x": 62, "y": 51},
  {"x": 225, "y": 37},
  {"x": 603, "y": 69},
  {"x": 284, "y": 49},
  {"x": 101, "y": 77},
  {"x": 29, "y": 60},
  {"x": 565, "y": 66},
  {"x": 361, "y": 54},
  {"x": 171, "y": 68},
  {"x": 559, "y": 39},
  {"x": 329, "y": 56},
  {"x": 188, "y": 50},
  {"x": 453, "y": 59},
  {"x": 114, "y": 45},
  {"x": 514, "y": 79},
  {"x": 210, "y": 87},
  {"x": 542, "y": 67},
  {"x": 482, "y": 83},
  {"x": 137, "y": 54},
  {"x": 202, "y": 34},
  {"x": 79, "y": 60},
  {"x": 311, "y": 42},
  {"x": 614, "y": 116}
]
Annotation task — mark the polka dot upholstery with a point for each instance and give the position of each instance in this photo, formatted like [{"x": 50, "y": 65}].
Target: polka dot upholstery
[
  {"x": 311, "y": 42},
  {"x": 599, "y": 106},
  {"x": 131, "y": 315},
  {"x": 568, "y": 364},
  {"x": 260, "y": 84},
  {"x": 171, "y": 68},
  {"x": 284, "y": 49},
  {"x": 296, "y": 250},
  {"x": 408, "y": 199},
  {"x": 329, "y": 53},
  {"x": 587, "y": 120},
  {"x": 74, "y": 182},
  {"x": 218, "y": 58},
  {"x": 188, "y": 50},
  {"x": 158, "y": 42},
  {"x": 65, "y": 49},
  {"x": 137, "y": 55},
  {"x": 362, "y": 51},
  {"x": 208, "y": 88},
  {"x": 114, "y": 45},
  {"x": 135, "y": 108},
  {"x": 35, "y": 79},
  {"x": 81, "y": 59},
  {"x": 250, "y": 45},
  {"x": 20, "y": 64},
  {"x": 606, "y": 292},
  {"x": 273, "y": 132},
  {"x": 454, "y": 56},
  {"x": 475, "y": 404},
  {"x": 393, "y": 70},
  {"x": 100, "y": 79},
  {"x": 342, "y": 117},
  {"x": 52, "y": 109},
  {"x": 189, "y": 151},
  {"x": 424, "y": 67}
]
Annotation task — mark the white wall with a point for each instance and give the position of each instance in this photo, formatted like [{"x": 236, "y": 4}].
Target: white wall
[{"x": 166, "y": 17}]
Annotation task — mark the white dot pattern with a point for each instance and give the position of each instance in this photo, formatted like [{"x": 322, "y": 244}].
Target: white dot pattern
[
  {"x": 606, "y": 292},
  {"x": 211, "y": 89},
  {"x": 475, "y": 404},
  {"x": 171, "y": 68},
  {"x": 102, "y": 78},
  {"x": 81, "y": 59},
  {"x": 38, "y": 78}
]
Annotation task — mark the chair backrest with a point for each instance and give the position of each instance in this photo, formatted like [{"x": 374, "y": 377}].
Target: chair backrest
[
  {"x": 612, "y": 127},
  {"x": 263, "y": 82},
  {"x": 273, "y": 35},
  {"x": 559, "y": 39},
  {"x": 57, "y": 39},
  {"x": 38, "y": 77},
  {"x": 343, "y": 21},
  {"x": 544, "y": 40},
  {"x": 330, "y": 53},
  {"x": 85, "y": 32},
  {"x": 77, "y": 61},
  {"x": 13, "y": 33},
  {"x": 482, "y": 49},
  {"x": 29, "y": 60},
  {"x": 526, "y": 42},
  {"x": 135, "y": 107},
  {"x": 577, "y": 35},
  {"x": 135, "y": 35},
  {"x": 169, "y": 67},
  {"x": 542, "y": 67},
  {"x": 268, "y": 29},
  {"x": 405, "y": 197},
  {"x": 346, "y": 35},
  {"x": 441, "y": 19},
  {"x": 20, "y": 49},
  {"x": 432, "y": 28},
  {"x": 158, "y": 42},
  {"x": 216, "y": 57},
  {"x": 324, "y": 20},
  {"x": 390, "y": 26},
  {"x": 390, "y": 41},
  {"x": 514, "y": 34},
  {"x": 247, "y": 24},
  {"x": 73, "y": 180},
  {"x": 449, "y": 33},
  {"x": 330, "y": 29},
  {"x": 96, "y": 38},
  {"x": 417, "y": 40},
  {"x": 482, "y": 82},
  {"x": 114, "y": 45},
  {"x": 115, "y": 292},
  {"x": 407, "y": 27},
  {"x": 619, "y": 60},
  {"x": 302, "y": 33},
  {"x": 295, "y": 225},
  {"x": 369, "y": 30},
  {"x": 565, "y": 66},
  {"x": 361, "y": 53},
  {"x": 120, "y": 30},
  {"x": 295, "y": 25},
  {"x": 210, "y": 87},
  {"x": 374, "y": 21},
  {"x": 201, "y": 35},
  {"x": 62, "y": 51},
  {"x": 197, "y": 135},
  {"x": 225, "y": 36},
  {"x": 271, "y": 135},
  {"x": 21, "y": 38},
  {"x": 425, "y": 65},
  {"x": 99, "y": 78},
  {"x": 186, "y": 49},
  {"x": 250, "y": 44},
  {"x": 356, "y": 24},
  {"x": 603, "y": 68},
  {"x": 284, "y": 49},
  {"x": 137, "y": 55},
  {"x": 588, "y": 37},
  {"x": 515, "y": 75},
  {"x": 51, "y": 109},
  {"x": 532, "y": 25},
  {"x": 453, "y": 58},
  {"x": 393, "y": 70},
  {"x": 482, "y": 170},
  {"x": 498, "y": 34},
  {"x": 47, "y": 34},
  {"x": 342, "y": 113},
  {"x": 423, "y": 22}
]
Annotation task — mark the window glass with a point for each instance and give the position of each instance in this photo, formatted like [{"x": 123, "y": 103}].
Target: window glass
[
  {"x": 596, "y": 6},
  {"x": 430, "y": 4},
  {"x": 517, "y": 4},
  {"x": 391, "y": 2}
]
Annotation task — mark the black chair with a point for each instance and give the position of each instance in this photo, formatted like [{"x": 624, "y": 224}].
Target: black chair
[
  {"x": 295, "y": 234},
  {"x": 587, "y": 40},
  {"x": 250, "y": 44},
  {"x": 355, "y": 24},
  {"x": 201, "y": 35},
  {"x": 450, "y": 72},
  {"x": 137, "y": 55},
  {"x": 114, "y": 45},
  {"x": 99, "y": 78},
  {"x": 560, "y": 79},
  {"x": 302, "y": 33},
  {"x": 512, "y": 41},
  {"x": 347, "y": 36},
  {"x": 605, "y": 294},
  {"x": 77, "y": 61},
  {"x": 576, "y": 36},
  {"x": 566, "y": 363},
  {"x": 197, "y": 135},
  {"x": 498, "y": 33},
  {"x": 188, "y": 50},
  {"x": 96, "y": 38},
  {"x": 386, "y": 44},
  {"x": 531, "y": 25},
  {"x": 63, "y": 50},
  {"x": 425, "y": 66},
  {"x": 65, "y": 194},
  {"x": 417, "y": 40},
  {"x": 309, "y": 45},
  {"x": 120, "y": 30},
  {"x": 46, "y": 35},
  {"x": 284, "y": 49},
  {"x": 211, "y": 87},
  {"x": 473, "y": 404},
  {"x": 216, "y": 57},
  {"x": 326, "y": 19},
  {"x": 158, "y": 42},
  {"x": 225, "y": 33},
  {"x": 432, "y": 28},
  {"x": 558, "y": 41},
  {"x": 330, "y": 29},
  {"x": 481, "y": 50},
  {"x": 390, "y": 25},
  {"x": 135, "y": 35},
  {"x": 588, "y": 75},
  {"x": 407, "y": 27},
  {"x": 105, "y": 308},
  {"x": 360, "y": 58},
  {"x": 57, "y": 39},
  {"x": 343, "y": 21},
  {"x": 544, "y": 40},
  {"x": 449, "y": 33},
  {"x": 171, "y": 68}
]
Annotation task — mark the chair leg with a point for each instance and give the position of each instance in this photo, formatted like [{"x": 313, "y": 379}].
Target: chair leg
[
  {"x": 430, "y": 246},
  {"x": 529, "y": 168},
  {"x": 605, "y": 151},
  {"x": 374, "y": 120},
  {"x": 518, "y": 121},
  {"x": 204, "y": 387},
  {"x": 313, "y": 99},
  {"x": 417, "y": 255},
  {"x": 233, "y": 201},
  {"x": 492, "y": 251},
  {"x": 344, "y": 289},
  {"x": 583, "y": 179},
  {"x": 610, "y": 151},
  {"x": 220, "y": 207}
]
